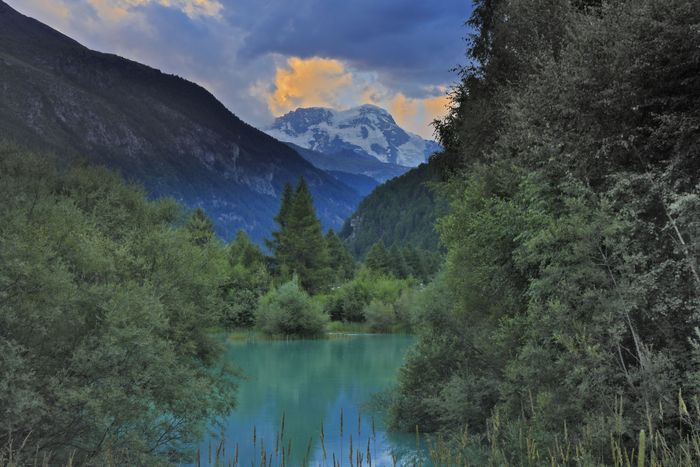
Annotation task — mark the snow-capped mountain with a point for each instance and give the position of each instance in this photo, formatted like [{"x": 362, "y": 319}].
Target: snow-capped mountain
[{"x": 366, "y": 130}]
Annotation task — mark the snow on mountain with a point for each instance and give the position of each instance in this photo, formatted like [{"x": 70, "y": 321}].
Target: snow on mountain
[{"x": 367, "y": 129}]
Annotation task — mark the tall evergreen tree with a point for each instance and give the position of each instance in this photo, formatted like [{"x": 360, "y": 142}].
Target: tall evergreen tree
[
  {"x": 341, "y": 261},
  {"x": 397, "y": 263},
  {"x": 300, "y": 245},
  {"x": 417, "y": 264},
  {"x": 244, "y": 252},
  {"x": 378, "y": 258},
  {"x": 281, "y": 217},
  {"x": 200, "y": 227}
]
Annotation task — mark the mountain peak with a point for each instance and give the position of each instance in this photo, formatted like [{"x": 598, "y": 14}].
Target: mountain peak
[
  {"x": 365, "y": 130},
  {"x": 373, "y": 108}
]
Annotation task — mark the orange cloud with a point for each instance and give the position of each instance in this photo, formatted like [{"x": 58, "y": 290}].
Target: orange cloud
[
  {"x": 326, "y": 82},
  {"x": 307, "y": 83},
  {"x": 403, "y": 109},
  {"x": 412, "y": 114},
  {"x": 436, "y": 107}
]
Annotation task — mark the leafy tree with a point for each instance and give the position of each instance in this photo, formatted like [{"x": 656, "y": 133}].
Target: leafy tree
[
  {"x": 380, "y": 316},
  {"x": 348, "y": 302},
  {"x": 105, "y": 305},
  {"x": 289, "y": 311},
  {"x": 570, "y": 282},
  {"x": 248, "y": 281}
]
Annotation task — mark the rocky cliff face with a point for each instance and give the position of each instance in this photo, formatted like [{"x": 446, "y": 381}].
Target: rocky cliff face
[{"x": 160, "y": 130}]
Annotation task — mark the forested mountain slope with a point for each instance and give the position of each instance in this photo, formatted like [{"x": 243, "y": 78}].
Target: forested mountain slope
[{"x": 401, "y": 212}]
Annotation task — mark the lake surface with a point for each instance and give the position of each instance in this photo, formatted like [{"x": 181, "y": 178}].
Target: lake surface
[{"x": 311, "y": 382}]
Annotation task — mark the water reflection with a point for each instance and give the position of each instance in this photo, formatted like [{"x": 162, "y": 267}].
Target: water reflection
[{"x": 312, "y": 384}]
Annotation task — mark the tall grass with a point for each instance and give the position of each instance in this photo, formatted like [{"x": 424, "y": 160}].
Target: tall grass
[
  {"x": 505, "y": 443},
  {"x": 518, "y": 443}
]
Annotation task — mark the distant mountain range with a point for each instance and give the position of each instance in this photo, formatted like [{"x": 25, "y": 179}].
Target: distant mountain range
[
  {"x": 356, "y": 134},
  {"x": 169, "y": 134}
]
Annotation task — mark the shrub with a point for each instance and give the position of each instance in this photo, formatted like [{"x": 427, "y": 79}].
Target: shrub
[
  {"x": 289, "y": 311},
  {"x": 348, "y": 301},
  {"x": 242, "y": 292},
  {"x": 380, "y": 316},
  {"x": 408, "y": 308}
]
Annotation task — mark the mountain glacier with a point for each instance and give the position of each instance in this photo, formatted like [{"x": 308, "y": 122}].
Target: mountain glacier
[{"x": 365, "y": 130}]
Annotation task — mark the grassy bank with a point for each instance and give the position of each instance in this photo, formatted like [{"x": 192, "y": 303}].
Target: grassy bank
[{"x": 333, "y": 329}]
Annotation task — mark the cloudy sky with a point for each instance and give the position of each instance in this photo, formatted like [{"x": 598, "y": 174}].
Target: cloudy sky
[{"x": 263, "y": 58}]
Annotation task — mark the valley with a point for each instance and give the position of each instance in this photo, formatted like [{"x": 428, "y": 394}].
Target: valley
[{"x": 227, "y": 236}]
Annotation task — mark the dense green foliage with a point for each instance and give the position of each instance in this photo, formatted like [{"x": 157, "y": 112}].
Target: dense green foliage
[
  {"x": 108, "y": 304},
  {"x": 400, "y": 212},
  {"x": 248, "y": 280},
  {"x": 312, "y": 278},
  {"x": 403, "y": 263},
  {"x": 105, "y": 306},
  {"x": 339, "y": 260},
  {"x": 571, "y": 285},
  {"x": 377, "y": 299},
  {"x": 290, "y": 311}
]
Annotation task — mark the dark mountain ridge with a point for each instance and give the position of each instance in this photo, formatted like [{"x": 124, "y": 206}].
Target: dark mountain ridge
[{"x": 163, "y": 131}]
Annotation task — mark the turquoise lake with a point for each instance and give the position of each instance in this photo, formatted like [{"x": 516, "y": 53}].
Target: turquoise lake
[{"x": 310, "y": 382}]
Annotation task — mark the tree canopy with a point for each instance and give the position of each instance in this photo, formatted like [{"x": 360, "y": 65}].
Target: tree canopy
[
  {"x": 572, "y": 238},
  {"x": 105, "y": 306}
]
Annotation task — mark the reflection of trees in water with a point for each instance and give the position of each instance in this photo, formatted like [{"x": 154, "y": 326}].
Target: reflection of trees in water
[{"x": 311, "y": 381}]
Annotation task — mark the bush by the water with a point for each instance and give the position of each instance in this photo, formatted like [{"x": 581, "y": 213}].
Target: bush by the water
[
  {"x": 105, "y": 305},
  {"x": 348, "y": 302},
  {"x": 290, "y": 311},
  {"x": 380, "y": 316}
]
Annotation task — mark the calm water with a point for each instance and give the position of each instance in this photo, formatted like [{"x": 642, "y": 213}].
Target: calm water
[{"x": 310, "y": 381}]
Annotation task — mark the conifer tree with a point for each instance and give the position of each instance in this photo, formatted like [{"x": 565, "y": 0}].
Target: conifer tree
[
  {"x": 341, "y": 261},
  {"x": 300, "y": 247},
  {"x": 200, "y": 227},
  {"x": 397, "y": 263},
  {"x": 244, "y": 252},
  {"x": 378, "y": 258},
  {"x": 281, "y": 217},
  {"x": 415, "y": 263}
]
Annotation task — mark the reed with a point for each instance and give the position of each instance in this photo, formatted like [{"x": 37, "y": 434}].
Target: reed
[{"x": 498, "y": 447}]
